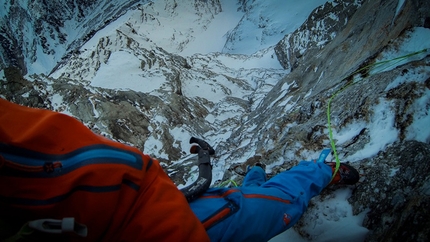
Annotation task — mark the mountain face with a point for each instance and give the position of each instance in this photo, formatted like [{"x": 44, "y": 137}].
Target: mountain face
[
  {"x": 320, "y": 28},
  {"x": 146, "y": 80},
  {"x": 36, "y": 35}
]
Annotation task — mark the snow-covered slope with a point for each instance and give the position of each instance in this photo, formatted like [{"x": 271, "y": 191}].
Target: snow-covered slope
[
  {"x": 264, "y": 23},
  {"x": 253, "y": 78},
  {"x": 37, "y": 35}
]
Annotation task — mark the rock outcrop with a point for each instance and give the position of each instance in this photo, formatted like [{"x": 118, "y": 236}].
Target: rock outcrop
[
  {"x": 321, "y": 27},
  {"x": 396, "y": 191}
]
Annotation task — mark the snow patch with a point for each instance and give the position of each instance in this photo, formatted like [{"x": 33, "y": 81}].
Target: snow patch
[
  {"x": 153, "y": 145},
  {"x": 348, "y": 132},
  {"x": 330, "y": 220},
  {"x": 2, "y": 76},
  {"x": 96, "y": 113},
  {"x": 266, "y": 22},
  {"x": 393, "y": 171},
  {"x": 56, "y": 100},
  {"x": 122, "y": 71},
  {"x": 215, "y": 31},
  {"x": 419, "y": 129},
  {"x": 181, "y": 137},
  {"x": 381, "y": 131},
  {"x": 400, "y": 5},
  {"x": 194, "y": 174},
  {"x": 419, "y": 75},
  {"x": 416, "y": 41},
  {"x": 106, "y": 31}
]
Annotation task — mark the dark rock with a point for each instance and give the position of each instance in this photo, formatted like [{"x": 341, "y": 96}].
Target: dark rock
[{"x": 396, "y": 190}]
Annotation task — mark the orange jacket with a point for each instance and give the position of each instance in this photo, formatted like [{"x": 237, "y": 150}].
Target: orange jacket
[{"x": 52, "y": 166}]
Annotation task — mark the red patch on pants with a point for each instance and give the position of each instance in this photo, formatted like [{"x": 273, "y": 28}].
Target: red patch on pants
[{"x": 287, "y": 219}]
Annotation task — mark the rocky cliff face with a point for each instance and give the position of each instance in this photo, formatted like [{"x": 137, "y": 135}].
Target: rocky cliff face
[
  {"x": 322, "y": 26},
  {"x": 45, "y": 32},
  {"x": 274, "y": 116},
  {"x": 397, "y": 193}
]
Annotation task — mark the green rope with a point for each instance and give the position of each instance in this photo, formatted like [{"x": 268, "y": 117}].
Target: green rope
[
  {"x": 391, "y": 62},
  {"x": 223, "y": 184}
]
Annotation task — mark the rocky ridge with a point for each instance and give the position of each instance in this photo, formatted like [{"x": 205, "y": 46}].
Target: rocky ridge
[{"x": 29, "y": 34}]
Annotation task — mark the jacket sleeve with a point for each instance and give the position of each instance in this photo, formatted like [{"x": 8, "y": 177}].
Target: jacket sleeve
[{"x": 52, "y": 166}]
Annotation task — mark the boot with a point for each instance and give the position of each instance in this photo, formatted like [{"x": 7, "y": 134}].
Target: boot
[{"x": 346, "y": 175}]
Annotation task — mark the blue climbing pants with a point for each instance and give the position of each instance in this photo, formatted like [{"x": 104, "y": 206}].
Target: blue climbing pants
[{"x": 260, "y": 209}]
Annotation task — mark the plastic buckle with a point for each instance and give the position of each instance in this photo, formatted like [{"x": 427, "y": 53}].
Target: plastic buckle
[{"x": 57, "y": 226}]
